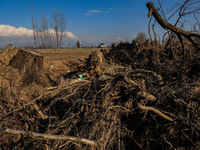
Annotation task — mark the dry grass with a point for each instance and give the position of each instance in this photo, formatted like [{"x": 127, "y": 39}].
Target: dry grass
[{"x": 63, "y": 54}]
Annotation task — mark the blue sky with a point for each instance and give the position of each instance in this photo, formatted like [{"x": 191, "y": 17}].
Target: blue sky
[{"x": 89, "y": 20}]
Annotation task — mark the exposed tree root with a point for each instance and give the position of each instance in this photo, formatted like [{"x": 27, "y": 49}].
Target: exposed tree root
[
  {"x": 147, "y": 108},
  {"x": 50, "y": 137}
]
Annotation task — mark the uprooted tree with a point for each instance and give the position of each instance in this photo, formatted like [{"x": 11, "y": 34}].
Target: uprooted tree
[{"x": 178, "y": 31}]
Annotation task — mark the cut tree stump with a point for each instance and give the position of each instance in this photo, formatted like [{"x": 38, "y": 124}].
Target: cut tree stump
[{"x": 29, "y": 64}]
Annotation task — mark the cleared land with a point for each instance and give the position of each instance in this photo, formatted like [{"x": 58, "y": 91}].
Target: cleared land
[{"x": 66, "y": 54}]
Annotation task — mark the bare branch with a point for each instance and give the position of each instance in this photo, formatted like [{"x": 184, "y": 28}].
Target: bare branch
[{"x": 166, "y": 25}]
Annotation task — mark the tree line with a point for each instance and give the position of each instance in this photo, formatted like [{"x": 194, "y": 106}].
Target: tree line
[{"x": 49, "y": 33}]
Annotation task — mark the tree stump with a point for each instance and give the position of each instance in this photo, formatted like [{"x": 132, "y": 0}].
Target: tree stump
[
  {"x": 96, "y": 63},
  {"x": 28, "y": 63}
]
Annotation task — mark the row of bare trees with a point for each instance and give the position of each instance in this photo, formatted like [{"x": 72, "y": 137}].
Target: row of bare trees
[{"x": 49, "y": 33}]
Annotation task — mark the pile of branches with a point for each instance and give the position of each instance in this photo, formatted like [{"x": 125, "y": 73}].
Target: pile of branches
[{"x": 130, "y": 97}]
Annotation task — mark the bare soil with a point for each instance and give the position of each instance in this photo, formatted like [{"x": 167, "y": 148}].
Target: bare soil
[{"x": 62, "y": 61}]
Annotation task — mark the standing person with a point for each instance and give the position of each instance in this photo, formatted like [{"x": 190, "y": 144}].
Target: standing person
[{"x": 77, "y": 44}]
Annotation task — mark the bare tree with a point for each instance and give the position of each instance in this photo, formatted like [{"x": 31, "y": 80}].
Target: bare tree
[
  {"x": 62, "y": 26},
  {"x": 43, "y": 30},
  {"x": 55, "y": 26},
  {"x": 59, "y": 24},
  {"x": 34, "y": 26},
  {"x": 50, "y": 33},
  {"x": 141, "y": 37}
]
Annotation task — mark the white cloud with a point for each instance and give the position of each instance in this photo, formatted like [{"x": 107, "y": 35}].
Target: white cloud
[
  {"x": 7, "y": 30},
  {"x": 67, "y": 34},
  {"x": 22, "y": 36},
  {"x": 93, "y": 11},
  {"x": 71, "y": 35},
  {"x": 10, "y": 31}
]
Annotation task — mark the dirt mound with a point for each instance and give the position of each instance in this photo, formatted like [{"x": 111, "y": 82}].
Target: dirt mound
[{"x": 129, "y": 96}]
